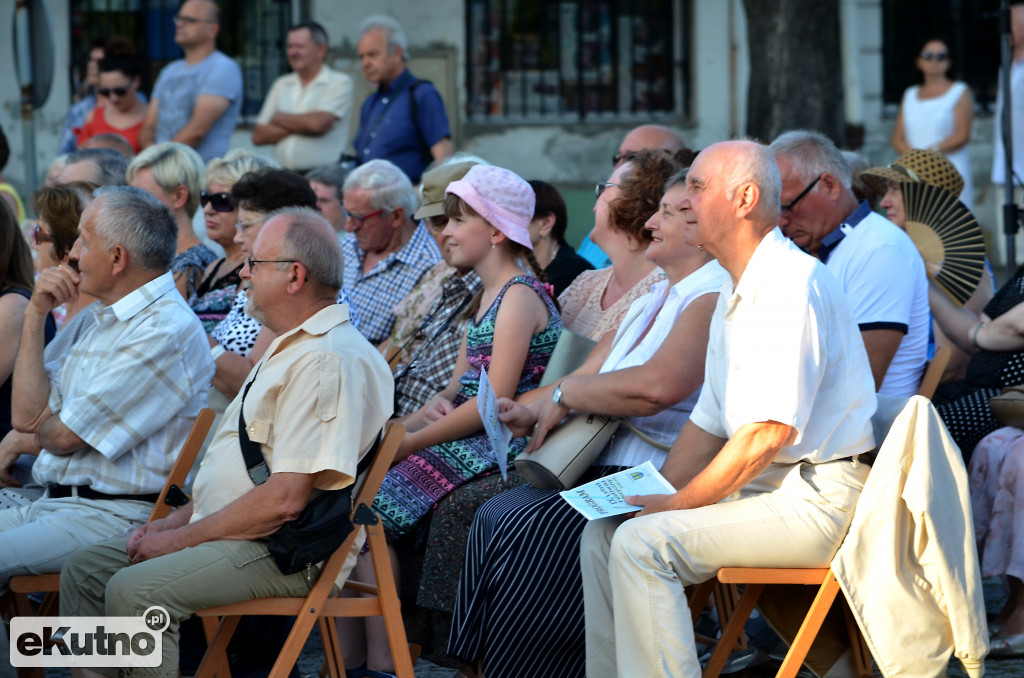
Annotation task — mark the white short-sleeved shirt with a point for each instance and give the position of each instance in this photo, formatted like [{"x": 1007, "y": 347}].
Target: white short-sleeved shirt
[
  {"x": 784, "y": 347},
  {"x": 130, "y": 386},
  {"x": 883, "y": 275},
  {"x": 320, "y": 396},
  {"x": 666, "y": 304},
  {"x": 331, "y": 92}
]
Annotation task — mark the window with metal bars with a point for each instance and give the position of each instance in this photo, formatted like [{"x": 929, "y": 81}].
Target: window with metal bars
[
  {"x": 574, "y": 60},
  {"x": 253, "y": 33}
]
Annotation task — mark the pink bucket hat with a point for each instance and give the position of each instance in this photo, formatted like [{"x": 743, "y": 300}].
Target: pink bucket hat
[{"x": 501, "y": 197}]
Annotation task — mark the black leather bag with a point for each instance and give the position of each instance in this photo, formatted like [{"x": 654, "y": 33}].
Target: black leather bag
[{"x": 322, "y": 526}]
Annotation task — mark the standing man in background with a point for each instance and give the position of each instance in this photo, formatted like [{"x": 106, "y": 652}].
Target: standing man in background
[
  {"x": 306, "y": 112},
  {"x": 404, "y": 120},
  {"x": 196, "y": 100}
]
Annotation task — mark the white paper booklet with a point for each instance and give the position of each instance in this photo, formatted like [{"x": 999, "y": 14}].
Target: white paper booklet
[
  {"x": 499, "y": 434},
  {"x": 606, "y": 496}
]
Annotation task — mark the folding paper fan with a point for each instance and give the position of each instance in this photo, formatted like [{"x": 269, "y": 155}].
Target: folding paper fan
[{"x": 947, "y": 236}]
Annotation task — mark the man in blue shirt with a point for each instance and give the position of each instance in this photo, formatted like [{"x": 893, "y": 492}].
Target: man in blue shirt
[{"x": 404, "y": 120}]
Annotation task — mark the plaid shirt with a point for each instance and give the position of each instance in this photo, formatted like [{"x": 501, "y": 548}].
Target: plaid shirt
[
  {"x": 130, "y": 387},
  {"x": 430, "y": 369},
  {"x": 373, "y": 296}
]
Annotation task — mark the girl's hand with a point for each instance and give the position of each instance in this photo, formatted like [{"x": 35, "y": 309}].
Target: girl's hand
[{"x": 436, "y": 408}]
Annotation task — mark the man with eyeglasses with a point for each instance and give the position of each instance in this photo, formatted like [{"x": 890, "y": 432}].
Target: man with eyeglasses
[
  {"x": 306, "y": 113},
  {"x": 876, "y": 263},
  {"x": 388, "y": 253},
  {"x": 196, "y": 100}
]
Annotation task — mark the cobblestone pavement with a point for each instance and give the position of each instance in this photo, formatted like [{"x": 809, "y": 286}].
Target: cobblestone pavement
[{"x": 312, "y": 656}]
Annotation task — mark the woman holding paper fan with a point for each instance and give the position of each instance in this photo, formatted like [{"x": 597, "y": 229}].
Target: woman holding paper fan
[{"x": 520, "y": 584}]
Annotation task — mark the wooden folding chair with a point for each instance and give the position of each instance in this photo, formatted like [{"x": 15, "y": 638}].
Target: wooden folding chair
[
  {"x": 23, "y": 585},
  {"x": 318, "y": 607},
  {"x": 754, "y": 580},
  {"x": 933, "y": 373}
]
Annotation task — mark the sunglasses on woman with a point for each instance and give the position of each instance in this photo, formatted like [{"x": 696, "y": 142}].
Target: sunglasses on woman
[
  {"x": 221, "y": 202},
  {"x": 119, "y": 91},
  {"x": 934, "y": 56}
]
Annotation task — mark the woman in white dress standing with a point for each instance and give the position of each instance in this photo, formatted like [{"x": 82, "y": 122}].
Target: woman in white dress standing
[{"x": 937, "y": 114}]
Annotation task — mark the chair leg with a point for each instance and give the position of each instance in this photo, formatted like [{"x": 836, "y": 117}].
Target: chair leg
[
  {"x": 391, "y": 609},
  {"x": 726, "y": 598},
  {"x": 861, "y": 655},
  {"x": 732, "y": 630},
  {"x": 809, "y": 628},
  {"x": 215, "y": 661},
  {"x": 333, "y": 662}
]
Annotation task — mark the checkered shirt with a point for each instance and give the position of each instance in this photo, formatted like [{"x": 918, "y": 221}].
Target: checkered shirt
[
  {"x": 131, "y": 388},
  {"x": 374, "y": 295}
]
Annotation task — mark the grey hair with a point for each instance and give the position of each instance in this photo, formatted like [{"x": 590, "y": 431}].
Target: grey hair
[
  {"x": 677, "y": 179},
  {"x": 111, "y": 165},
  {"x": 136, "y": 220},
  {"x": 382, "y": 22},
  {"x": 388, "y": 185},
  {"x": 332, "y": 175},
  {"x": 310, "y": 240},
  {"x": 813, "y": 154},
  {"x": 172, "y": 165},
  {"x": 756, "y": 165},
  {"x": 229, "y": 169}
]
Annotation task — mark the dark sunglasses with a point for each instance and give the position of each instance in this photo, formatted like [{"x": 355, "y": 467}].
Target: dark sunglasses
[
  {"x": 934, "y": 56},
  {"x": 119, "y": 91},
  {"x": 221, "y": 202},
  {"x": 599, "y": 188}
]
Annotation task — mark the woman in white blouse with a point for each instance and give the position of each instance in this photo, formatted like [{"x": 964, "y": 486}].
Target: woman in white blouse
[
  {"x": 520, "y": 585},
  {"x": 937, "y": 114}
]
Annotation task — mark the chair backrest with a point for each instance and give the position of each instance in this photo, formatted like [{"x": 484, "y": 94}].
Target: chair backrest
[
  {"x": 933, "y": 373},
  {"x": 183, "y": 464},
  {"x": 378, "y": 469}
]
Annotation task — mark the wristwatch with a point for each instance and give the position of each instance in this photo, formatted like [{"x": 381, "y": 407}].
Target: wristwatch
[{"x": 556, "y": 396}]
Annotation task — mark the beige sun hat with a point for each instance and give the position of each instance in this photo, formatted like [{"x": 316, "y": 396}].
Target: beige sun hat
[{"x": 917, "y": 165}]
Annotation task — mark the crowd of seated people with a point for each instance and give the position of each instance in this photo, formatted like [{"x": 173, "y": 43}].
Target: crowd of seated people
[{"x": 471, "y": 273}]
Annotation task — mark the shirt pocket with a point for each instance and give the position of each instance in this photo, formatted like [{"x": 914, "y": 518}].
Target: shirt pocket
[{"x": 329, "y": 388}]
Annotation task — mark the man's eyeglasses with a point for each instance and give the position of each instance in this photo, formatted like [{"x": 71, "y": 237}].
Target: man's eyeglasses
[
  {"x": 599, "y": 188},
  {"x": 190, "y": 20},
  {"x": 40, "y": 236},
  {"x": 358, "y": 219},
  {"x": 934, "y": 56},
  {"x": 252, "y": 262},
  {"x": 221, "y": 202},
  {"x": 788, "y": 207},
  {"x": 117, "y": 91}
]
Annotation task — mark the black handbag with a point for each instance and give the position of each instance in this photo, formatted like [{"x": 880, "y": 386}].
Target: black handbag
[{"x": 322, "y": 526}]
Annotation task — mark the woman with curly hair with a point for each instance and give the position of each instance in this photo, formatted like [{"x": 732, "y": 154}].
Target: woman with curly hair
[{"x": 596, "y": 301}]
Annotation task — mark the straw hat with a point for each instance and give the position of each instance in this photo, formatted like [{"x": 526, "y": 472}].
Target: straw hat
[{"x": 919, "y": 166}]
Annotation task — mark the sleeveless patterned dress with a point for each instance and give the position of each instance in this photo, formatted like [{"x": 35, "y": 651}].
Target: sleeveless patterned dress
[{"x": 414, "y": 486}]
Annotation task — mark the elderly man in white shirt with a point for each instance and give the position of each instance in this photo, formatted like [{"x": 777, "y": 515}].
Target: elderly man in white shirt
[
  {"x": 306, "y": 113},
  {"x": 765, "y": 466},
  {"x": 113, "y": 417}
]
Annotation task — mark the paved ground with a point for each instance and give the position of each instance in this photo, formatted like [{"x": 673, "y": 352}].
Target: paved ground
[{"x": 312, "y": 656}]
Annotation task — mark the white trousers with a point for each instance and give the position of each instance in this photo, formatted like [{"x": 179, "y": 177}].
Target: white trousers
[{"x": 637, "y": 618}]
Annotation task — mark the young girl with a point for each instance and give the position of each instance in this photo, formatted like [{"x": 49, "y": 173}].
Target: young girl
[{"x": 512, "y": 331}]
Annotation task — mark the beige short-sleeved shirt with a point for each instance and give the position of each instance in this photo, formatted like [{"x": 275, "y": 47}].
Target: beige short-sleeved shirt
[
  {"x": 581, "y": 302},
  {"x": 320, "y": 396}
]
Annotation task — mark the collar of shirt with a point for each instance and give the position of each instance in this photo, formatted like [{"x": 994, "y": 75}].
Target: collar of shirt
[
  {"x": 130, "y": 305},
  {"x": 321, "y": 322},
  {"x": 418, "y": 248},
  {"x": 395, "y": 85},
  {"x": 763, "y": 256},
  {"x": 832, "y": 240},
  {"x": 454, "y": 284}
]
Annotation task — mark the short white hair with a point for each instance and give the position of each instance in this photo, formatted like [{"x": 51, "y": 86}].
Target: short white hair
[
  {"x": 389, "y": 186},
  {"x": 382, "y": 22}
]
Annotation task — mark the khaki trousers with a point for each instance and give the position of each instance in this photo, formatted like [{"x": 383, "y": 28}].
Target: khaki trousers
[
  {"x": 98, "y": 581},
  {"x": 634, "y": 571}
]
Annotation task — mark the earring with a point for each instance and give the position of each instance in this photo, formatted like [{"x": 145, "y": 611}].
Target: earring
[{"x": 493, "y": 245}]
